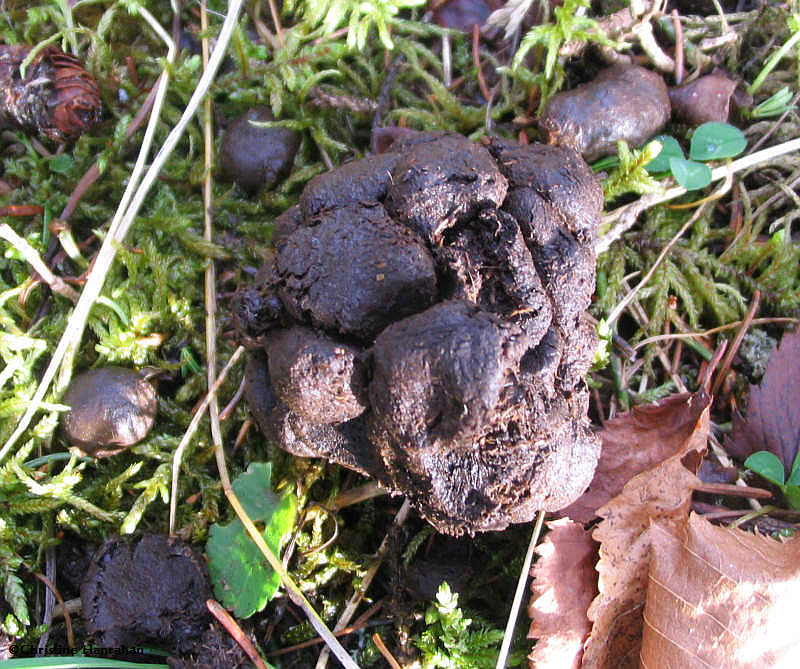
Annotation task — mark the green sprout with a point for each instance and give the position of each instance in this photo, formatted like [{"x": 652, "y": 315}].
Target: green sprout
[{"x": 774, "y": 105}]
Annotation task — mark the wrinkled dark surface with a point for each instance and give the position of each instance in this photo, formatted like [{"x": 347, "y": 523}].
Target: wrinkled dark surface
[
  {"x": 704, "y": 100},
  {"x": 421, "y": 323},
  {"x": 623, "y": 102},
  {"x": 148, "y": 588},
  {"x": 309, "y": 369},
  {"x": 111, "y": 408},
  {"x": 257, "y": 157},
  {"x": 394, "y": 276}
]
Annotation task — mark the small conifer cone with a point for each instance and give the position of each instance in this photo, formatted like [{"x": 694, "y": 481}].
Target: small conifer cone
[{"x": 57, "y": 98}]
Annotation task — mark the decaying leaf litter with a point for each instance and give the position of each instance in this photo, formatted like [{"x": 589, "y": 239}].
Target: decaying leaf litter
[{"x": 150, "y": 306}]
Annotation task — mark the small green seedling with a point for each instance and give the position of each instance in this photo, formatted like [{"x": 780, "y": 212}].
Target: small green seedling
[
  {"x": 768, "y": 466},
  {"x": 711, "y": 141},
  {"x": 775, "y": 105},
  {"x": 242, "y": 579}
]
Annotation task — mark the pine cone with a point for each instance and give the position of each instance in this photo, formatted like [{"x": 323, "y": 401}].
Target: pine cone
[{"x": 57, "y": 98}]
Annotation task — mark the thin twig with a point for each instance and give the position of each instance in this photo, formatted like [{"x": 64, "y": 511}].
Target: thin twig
[
  {"x": 40, "y": 266},
  {"x": 502, "y": 658},
  {"x": 737, "y": 341},
  {"x": 210, "y": 274},
  {"x": 676, "y": 21},
  {"x": 225, "y": 619},
  {"x": 52, "y": 588},
  {"x": 289, "y": 585},
  {"x": 376, "y": 639},
  {"x": 719, "y": 328},
  {"x": 623, "y": 304},
  {"x": 358, "y": 595},
  {"x": 187, "y": 436}
]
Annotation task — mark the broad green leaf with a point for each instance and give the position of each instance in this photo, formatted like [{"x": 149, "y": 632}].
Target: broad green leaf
[
  {"x": 712, "y": 141},
  {"x": 669, "y": 149},
  {"x": 689, "y": 174},
  {"x": 242, "y": 579},
  {"x": 766, "y": 464}
]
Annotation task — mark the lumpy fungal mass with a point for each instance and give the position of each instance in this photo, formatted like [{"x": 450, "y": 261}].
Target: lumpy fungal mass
[{"x": 422, "y": 322}]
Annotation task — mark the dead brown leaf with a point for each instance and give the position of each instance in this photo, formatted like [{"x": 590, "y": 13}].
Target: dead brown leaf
[
  {"x": 773, "y": 408},
  {"x": 636, "y": 441},
  {"x": 662, "y": 493},
  {"x": 720, "y": 597},
  {"x": 564, "y": 584}
]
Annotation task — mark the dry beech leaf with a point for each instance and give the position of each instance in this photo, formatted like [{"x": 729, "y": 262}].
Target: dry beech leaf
[
  {"x": 564, "y": 584},
  {"x": 636, "y": 441},
  {"x": 773, "y": 408},
  {"x": 662, "y": 493},
  {"x": 721, "y": 597}
]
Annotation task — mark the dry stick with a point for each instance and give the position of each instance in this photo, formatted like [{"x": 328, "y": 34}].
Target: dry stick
[
  {"x": 219, "y": 612},
  {"x": 40, "y": 266},
  {"x": 210, "y": 274},
  {"x": 737, "y": 341},
  {"x": 67, "y": 618},
  {"x": 676, "y": 21},
  {"x": 617, "y": 311},
  {"x": 502, "y": 658},
  {"x": 187, "y": 436},
  {"x": 210, "y": 299},
  {"x": 358, "y": 624},
  {"x": 68, "y": 344},
  {"x": 93, "y": 173},
  {"x": 627, "y": 214},
  {"x": 358, "y": 595},
  {"x": 376, "y": 639},
  {"x": 289, "y": 585},
  {"x": 708, "y": 333}
]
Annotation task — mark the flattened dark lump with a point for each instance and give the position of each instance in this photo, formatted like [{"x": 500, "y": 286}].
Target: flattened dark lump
[
  {"x": 145, "y": 589},
  {"x": 421, "y": 323},
  {"x": 624, "y": 102}
]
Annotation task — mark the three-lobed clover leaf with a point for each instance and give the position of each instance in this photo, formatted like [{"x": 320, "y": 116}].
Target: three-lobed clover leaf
[{"x": 710, "y": 141}]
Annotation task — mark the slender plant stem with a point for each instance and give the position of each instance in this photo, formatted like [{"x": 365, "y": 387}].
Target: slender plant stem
[
  {"x": 35, "y": 260},
  {"x": 187, "y": 436},
  {"x": 505, "y": 647}
]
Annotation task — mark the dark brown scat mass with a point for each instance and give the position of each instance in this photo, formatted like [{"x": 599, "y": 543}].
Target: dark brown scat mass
[
  {"x": 257, "y": 156},
  {"x": 624, "y": 102},
  {"x": 111, "y": 408},
  {"x": 471, "y": 345},
  {"x": 148, "y": 588}
]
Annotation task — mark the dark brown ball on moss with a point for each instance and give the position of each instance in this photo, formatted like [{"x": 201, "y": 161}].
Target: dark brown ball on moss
[
  {"x": 624, "y": 102},
  {"x": 111, "y": 408},
  {"x": 255, "y": 156}
]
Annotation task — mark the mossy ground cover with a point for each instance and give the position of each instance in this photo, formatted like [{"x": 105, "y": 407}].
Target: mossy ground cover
[{"x": 332, "y": 80}]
